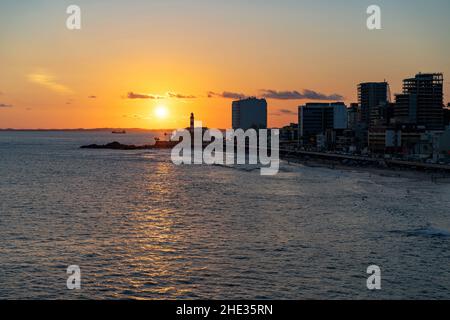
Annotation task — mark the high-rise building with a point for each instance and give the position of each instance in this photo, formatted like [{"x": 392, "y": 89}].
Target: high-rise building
[
  {"x": 370, "y": 96},
  {"x": 317, "y": 118},
  {"x": 249, "y": 113},
  {"x": 421, "y": 102},
  {"x": 353, "y": 115}
]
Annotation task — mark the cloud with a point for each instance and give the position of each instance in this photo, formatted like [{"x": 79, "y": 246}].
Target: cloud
[
  {"x": 169, "y": 95},
  {"x": 227, "y": 95},
  {"x": 296, "y": 95},
  {"x": 48, "y": 81},
  {"x": 180, "y": 96},
  {"x": 3, "y": 105},
  {"x": 136, "y": 116},
  {"x": 265, "y": 93},
  {"x": 310, "y": 94},
  {"x": 280, "y": 95},
  {"x": 286, "y": 111},
  {"x": 132, "y": 95}
]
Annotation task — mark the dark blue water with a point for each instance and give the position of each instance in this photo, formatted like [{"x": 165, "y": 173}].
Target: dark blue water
[{"x": 140, "y": 227}]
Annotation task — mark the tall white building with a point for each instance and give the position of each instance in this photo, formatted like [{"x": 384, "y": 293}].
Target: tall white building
[{"x": 249, "y": 113}]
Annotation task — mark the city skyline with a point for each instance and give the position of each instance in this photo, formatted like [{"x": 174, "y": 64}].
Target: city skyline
[
  {"x": 160, "y": 111},
  {"x": 147, "y": 65}
]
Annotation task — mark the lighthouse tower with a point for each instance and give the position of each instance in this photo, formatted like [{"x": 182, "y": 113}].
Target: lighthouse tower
[{"x": 192, "y": 121}]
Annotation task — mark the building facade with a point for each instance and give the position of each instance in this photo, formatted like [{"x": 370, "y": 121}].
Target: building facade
[
  {"x": 370, "y": 96},
  {"x": 321, "y": 123},
  {"x": 447, "y": 116},
  {"x": 316, "y": 118},
  {"x": 353, "y": 115},
  {"x": 289, "y": 133},
  {"x": 249, "y": 113},
  {"x": 421, "y": 102}
]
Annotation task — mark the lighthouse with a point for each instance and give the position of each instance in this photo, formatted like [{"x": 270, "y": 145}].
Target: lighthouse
[{"x": 192, "y": 121}]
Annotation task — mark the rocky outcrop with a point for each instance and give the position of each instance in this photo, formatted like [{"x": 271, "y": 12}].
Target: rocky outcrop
[{"x": 119, "y": 146}]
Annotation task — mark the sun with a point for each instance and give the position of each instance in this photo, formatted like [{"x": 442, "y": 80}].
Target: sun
[{"x": 161, "y": 112}]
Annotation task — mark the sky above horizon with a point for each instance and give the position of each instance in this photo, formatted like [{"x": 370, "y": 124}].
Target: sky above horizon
[{"x": 149, "y": 64}]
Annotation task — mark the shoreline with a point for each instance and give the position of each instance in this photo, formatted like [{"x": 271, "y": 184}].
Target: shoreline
[
  {"x": 381, "y": 168},
  {"x": 390, "y": 172}
]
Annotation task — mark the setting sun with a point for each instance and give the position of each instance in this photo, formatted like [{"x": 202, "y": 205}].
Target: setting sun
[{"x": 161, "y": 112}]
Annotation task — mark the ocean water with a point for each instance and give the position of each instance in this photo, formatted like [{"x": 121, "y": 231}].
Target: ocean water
[{"x": 140, "y": 227}]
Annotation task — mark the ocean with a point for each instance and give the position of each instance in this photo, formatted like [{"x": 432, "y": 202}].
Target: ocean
[{"x": 140, "y": 227}]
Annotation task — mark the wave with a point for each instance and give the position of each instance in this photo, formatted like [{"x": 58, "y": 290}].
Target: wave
[
  {"x": 427, "y": 231},
  {"x": 246, "y": 168},
  {"x": 432, "y": 232}
]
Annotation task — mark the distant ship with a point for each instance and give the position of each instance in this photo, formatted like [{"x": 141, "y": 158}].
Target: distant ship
[{"x": 119, "y": 132}]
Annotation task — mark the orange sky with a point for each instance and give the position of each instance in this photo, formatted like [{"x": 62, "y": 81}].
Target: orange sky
[{"x": 52, "y": 77}]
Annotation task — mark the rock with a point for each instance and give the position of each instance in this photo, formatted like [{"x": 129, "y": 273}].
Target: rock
[{"x": 118, "y": 146}]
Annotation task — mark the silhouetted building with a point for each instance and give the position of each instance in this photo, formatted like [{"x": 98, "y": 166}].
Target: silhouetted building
[
  {"x": 396, "y": 139},
  {"x": 353, "y": 115},
  {"x": 371, "y": 95},
  {"x": 444, "y": 143},
  {"x": 356, "y": 135},
  {"x": 321, "y": 122},
  {"x": 447, "y": 116},
  {"x": 289, "y": 133},
  {"x": 381, "y": 114},
  {"x": 421, "y": 102},
  {"x": 249, "y": 113},
  {"x": 381, "y": 139}
]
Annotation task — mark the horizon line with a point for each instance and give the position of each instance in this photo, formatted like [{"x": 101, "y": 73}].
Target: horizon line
[{"x": 82, "y": 129}]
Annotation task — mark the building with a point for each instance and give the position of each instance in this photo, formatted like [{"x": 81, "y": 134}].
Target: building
[
  {"x": 444, "y": 144},
  {"x": 249, "y": 113},
  {"x": 289, "y": 133},
  {"x": 421, "y": 102},
  {"x": 382, "y": 138},
  {"x": 398, "y": 139},
  {"x": 321, "y": 122},
  {"x": 447, "y": 116},
  {"x": 381, "y": 114},
  {"x": 370, "y": 96},
  {"x": 316, "y": 118},
  {"x": 353, "y": 115}
]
